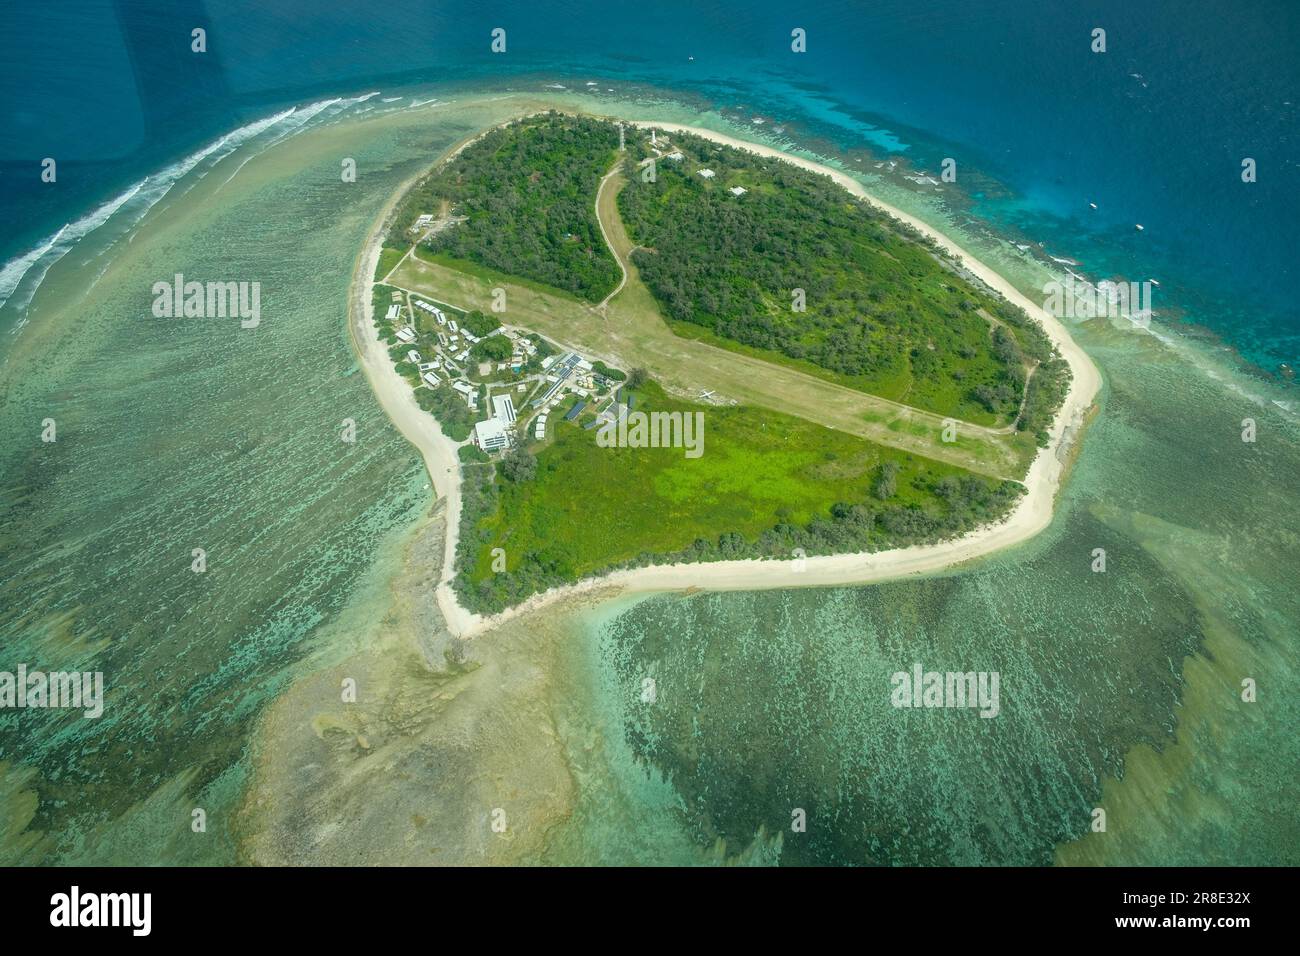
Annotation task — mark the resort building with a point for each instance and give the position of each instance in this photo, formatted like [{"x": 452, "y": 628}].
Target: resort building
[
  {"x": 707, "y": 173},
  {"x": 503, "y": 409},
  {"x": 490, "y": 435},
  {"x": 737, "y": 190},
  {"x": 433, "y": 310},
  {"x": 406, "y": 334},
  {"x": 560, "y": 371},
  {"x": 430, "y": 379}
]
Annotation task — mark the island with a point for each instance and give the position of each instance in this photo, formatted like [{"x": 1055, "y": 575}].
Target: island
[{"x": 659, "y": 357}]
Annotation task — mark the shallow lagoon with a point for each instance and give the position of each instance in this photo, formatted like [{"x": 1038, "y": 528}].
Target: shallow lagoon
[{"x": 1119, "y": 690}]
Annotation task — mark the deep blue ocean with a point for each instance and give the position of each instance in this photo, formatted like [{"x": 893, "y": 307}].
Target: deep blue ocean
[{"x": 1153, "y": 130}]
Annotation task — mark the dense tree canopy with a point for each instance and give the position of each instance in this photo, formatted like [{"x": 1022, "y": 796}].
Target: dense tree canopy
[
  {"x": 528, "y": 193},
  {"x": 796, "y": 266}
]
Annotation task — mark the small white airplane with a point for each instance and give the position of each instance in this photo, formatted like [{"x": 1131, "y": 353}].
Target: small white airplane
[{"x": 708, "y": 394}]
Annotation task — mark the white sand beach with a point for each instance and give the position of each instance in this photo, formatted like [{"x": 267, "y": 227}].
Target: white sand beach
[
  {"x": 398, "y": 401},
  {"x": 1031, "y": 515}
]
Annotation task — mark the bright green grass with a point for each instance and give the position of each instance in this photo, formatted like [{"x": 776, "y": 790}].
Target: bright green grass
[
  {"x": 591, "y": 507},
  {"x": 388, "y": 258}
]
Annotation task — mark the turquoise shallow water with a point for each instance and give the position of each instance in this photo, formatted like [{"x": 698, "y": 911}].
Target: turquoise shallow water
[
  {"x": 1119, "y": 690},
  {"x": 176, "y": 435}
]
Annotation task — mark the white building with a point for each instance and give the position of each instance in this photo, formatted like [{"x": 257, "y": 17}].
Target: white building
[
  {"x": 413, "y": 357},
  {"x": 490, "y": 435},
  {"x": 675, "y": 156},
  {"x": 737, "y": 190},
  {"x": 707, "y": 173},
  {"x": 503, "y": 409},
  {"x": 406, "y": 334},
  {"x": 430, "y": 379}
]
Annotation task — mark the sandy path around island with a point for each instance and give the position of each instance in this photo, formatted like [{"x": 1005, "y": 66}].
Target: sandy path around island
[{"x": 1031, "y": 515}]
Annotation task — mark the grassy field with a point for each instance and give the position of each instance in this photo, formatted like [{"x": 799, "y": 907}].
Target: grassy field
[{"x": 590, "y": 508}]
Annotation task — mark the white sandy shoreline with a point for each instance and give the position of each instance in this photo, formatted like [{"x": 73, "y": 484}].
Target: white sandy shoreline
[
  {"x": 1032, "y": 514},
  {"x": 441, "y": 457}
]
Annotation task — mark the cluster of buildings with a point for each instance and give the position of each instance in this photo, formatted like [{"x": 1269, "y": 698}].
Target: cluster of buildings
[
  {"x": 568, "y": 375},
  {"x": 557, "y": 374},
  {"x": 562, "y": 375},
  {"x": 447, "y": 352}
]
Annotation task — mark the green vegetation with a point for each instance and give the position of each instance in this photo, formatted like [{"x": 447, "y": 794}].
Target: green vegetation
[
  {"x": 527, "y": 191},
  {"x": 478, "y": 323},
  {"x": 389, "y": 256},
  {"x": 518, "y": 465},
  {"x": 494, "y": 348},
  {"x": 453, "y": 416},
  {"x": 687, "y": 367},
  {"x": 1047, "y": 390},
  {"x": 883, "y": 310},
  {"x": 888, "y": 314},
  {"x": 766, "y": 484},
  {"x": 613, "y": 374}
]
